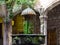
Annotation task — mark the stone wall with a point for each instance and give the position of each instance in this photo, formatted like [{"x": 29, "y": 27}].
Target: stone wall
[{"x": 54, "y": 21}]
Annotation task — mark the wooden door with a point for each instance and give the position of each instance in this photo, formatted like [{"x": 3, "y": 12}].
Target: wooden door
[{"x": 51, "y": 37}]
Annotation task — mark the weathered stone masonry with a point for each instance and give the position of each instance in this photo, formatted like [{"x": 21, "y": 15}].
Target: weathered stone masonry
[{"x": 54, "y": 21}]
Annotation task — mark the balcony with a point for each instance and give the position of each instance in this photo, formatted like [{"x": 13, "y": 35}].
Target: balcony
[{"x": 28, "y": 39}]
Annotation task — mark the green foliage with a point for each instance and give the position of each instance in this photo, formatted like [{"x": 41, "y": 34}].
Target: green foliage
[
  {"x": 2, "y": 2},
  {"x": 25, "y": 2},
  {"x": 11, "y": 15},
  {"x": 10, "y": 4},
  {"x": 28, "y": 27},
  {"x": 22, "y": 2}
]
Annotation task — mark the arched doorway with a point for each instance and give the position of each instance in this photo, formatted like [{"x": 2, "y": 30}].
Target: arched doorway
[
  {"x": 1, "y": 31},
  {"x": 53, "y": 26}
]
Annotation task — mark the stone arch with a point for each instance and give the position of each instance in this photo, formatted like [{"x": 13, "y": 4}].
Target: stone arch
[
  {"x": 52, "y": 6},
  {"x": 53, "y": 20}
]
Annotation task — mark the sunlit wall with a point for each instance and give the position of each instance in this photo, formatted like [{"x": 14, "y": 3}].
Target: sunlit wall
[{"x": 45, "y": 3}]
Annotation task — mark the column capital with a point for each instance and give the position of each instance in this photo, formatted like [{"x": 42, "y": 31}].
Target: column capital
[{"x": 43, "y": 17}]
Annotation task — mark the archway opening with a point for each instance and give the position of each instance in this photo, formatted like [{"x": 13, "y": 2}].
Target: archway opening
[
  {"x": 21, "y": 24},
  {"x": 53, "y": 27}
]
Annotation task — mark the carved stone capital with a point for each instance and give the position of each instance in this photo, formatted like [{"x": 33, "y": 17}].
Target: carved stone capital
[{"x": 43, "y": 17}]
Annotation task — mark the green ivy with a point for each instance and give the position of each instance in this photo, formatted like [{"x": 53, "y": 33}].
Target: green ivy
[
  {"x": 2, "y": 2},
  {"x": 10, "y": 4},
  {"x": 26, "y": 2}
]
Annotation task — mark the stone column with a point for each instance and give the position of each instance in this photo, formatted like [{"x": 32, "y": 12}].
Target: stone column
[
  {"x": 5, "y": 31},
  {"x": 43, "y": 24},
  {"x": 7, "y": 39},
  {"x": 45, "y": 29},
  {"x": 5, "y": 34},
  {"x": 9, "y": 28}
]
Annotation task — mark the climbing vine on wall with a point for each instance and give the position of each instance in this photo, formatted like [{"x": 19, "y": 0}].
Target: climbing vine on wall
[
  {"x": 2, "y": 2},
  {"x": 26, "y": 2},
  {"x": 10, "y": 4}
]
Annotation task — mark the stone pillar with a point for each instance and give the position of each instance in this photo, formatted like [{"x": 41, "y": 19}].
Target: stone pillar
[
  {"x": 9, "y": 28},
  {"x": 43, "y": 24},
  {"x": 45, "y": 29},
  {"x": 7, "y": 32}
]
